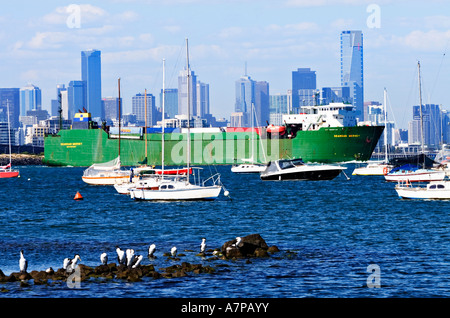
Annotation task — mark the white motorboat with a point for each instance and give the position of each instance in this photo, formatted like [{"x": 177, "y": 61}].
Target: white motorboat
[
  {"x": 435, "y": 190},
  {"x": 373, "y": 169},
  {"x": 296, "y": 169},
  {"x": 248, "y": 168},
  {"x": 414, "y": 173}
]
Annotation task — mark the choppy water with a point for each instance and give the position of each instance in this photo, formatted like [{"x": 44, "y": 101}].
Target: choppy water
[{"x": 328, "y": 232}]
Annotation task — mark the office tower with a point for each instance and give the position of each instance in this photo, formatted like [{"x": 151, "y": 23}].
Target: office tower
[
  {"x": 55, "y": 103},
  {"x": 10, "y": 96},
  {"x": 182, "y": 94},
  {"x": 75, "y": 97},
  {"x": 111, "y": 108},
  {"x": 278, "y": 106},
  {"x": 171, "y": 102},
  {"x": 432, "y": 125},
  {"x": 303, "y": 88},
  {"x": 335, "y": 95},
  {"x": 138, "y": 109},
  {"x": 202, "y": 99},
  {"x": 245, "y": 95},
  {"x": 352, "y": 74},
  {"x": 262, "y": 104},
  {"x": 30, "y": 99},
  {"x": 91, "y": 75}
]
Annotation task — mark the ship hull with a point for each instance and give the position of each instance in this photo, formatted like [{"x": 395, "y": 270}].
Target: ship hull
[{"x": 83, "y": 147}]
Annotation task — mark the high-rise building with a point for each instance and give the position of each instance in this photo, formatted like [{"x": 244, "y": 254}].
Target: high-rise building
[
  {"x": 432, "y": 125},
  {"x": 91, "y": 75},
  {"x": 278, "y": 106},
  {"x": 111, "y": 108},
  {"x": 11, "y": 97},
  {"x": 262, "y": 104},
  {"x": 335, "y": 95},
  {"x": 171, "y": 102},
  {"x": 30, "y": 99},
  {"x": 138, "y": 109},
  {"x": 56, "y": 103},
  {"x": 245, "y": 94},
  {"x": 202, "y": 99},
  {"x": 303, "y": 88},
  {"x": 182, "y": 94},
  {"x": 352, "y": 71},
  {"x": 75, "y": 97}
]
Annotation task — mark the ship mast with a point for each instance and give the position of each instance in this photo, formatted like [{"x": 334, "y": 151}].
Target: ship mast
[
  {"x": 188, "y": 159},
  {"x": 420, "y": 108},
  {"x": 385, "y": 125},
  {"x": 163, "y": 118},
  {"x": 145, "y": 103},
  {"x": 119, "y": 116}
]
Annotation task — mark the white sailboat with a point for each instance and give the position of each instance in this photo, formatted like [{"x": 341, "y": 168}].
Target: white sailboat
[
  {"x": 7, "y": 171},
  {"x": 107, "y": 173},
  {"x": 376, "y": 168},
  {"x": 418, "y": 172},
  {"x": 249, "y": 165},
  {"x": 434, "y": 190},
  {"x": 179, "y": 187}
]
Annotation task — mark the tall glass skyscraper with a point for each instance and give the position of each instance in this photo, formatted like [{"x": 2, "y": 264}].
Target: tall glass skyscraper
[
  {"x": 30, "y": 99},
  {"x": 11, "y": 97},
  {"x": 138, "y": 108},
  {"x": 75, "y": 97},
  {"x": 352, "y": 73},
  {"x": 91, "y": 75},
  {"x": 245, "y": 94},
  {"x": 303, "y": 88}
]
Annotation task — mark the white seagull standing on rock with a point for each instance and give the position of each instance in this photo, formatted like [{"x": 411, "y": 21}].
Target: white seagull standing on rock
[
  {"x": 70, "y": 264},
  {"x": 137, "y": 261},
  {"x": 23, "y": 263},
  {"x": 104, "y": 258},
  {"x": 151, "y": 250},
  {"x": 120, "y": 255},
  {"x": 130, "y": 256},
  {"x": 173, "y": 251},
  {"x": 203, "y": 245}
]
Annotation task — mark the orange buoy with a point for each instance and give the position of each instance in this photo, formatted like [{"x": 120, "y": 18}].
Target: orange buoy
[{"x": 78, "y": 196}]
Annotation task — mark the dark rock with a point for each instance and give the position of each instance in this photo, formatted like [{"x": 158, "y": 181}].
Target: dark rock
[
  {"x": 273, "y": 249},
  {"x": 246, "y": 248}
]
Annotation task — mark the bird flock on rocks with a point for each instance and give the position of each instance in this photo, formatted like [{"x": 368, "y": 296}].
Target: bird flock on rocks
[{"x": 126, "y": 257}]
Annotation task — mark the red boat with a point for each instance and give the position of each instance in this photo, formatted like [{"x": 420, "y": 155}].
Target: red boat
[{"x": 7, "y": 172}]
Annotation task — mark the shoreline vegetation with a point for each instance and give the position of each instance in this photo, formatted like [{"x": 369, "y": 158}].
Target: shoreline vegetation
[{"x": 22, "y": 159}]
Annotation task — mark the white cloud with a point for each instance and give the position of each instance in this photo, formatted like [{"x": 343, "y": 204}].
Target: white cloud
[{"x": 88, "y": 13}]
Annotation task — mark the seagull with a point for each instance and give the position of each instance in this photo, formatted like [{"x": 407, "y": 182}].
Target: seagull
[
  {"x": 238, "y": 241},
  {"x": 70, "y": 264},
  {"x": 203, "y": 245},
  {"x": 120, "y": 255},
  {"x": 130, "y": 256},
  {"x": 173, "y": 251},
  {"x": 137, "y": 260},
  {"x": 23, "y": 263},
  {"x": 104, "y": 258},
  {"x": 151, "y": 250}
]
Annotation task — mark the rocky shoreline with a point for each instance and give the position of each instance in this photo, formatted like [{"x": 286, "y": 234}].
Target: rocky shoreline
[
  {"x": 246, "y": 247},
  {"x": 21, "y": 159}
]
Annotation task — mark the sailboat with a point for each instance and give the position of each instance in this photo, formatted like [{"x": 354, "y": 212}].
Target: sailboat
[
  {"x": 374, "y": 168},
  {"x": 249, "y": 165},
  {"x": 107, "y": 173},
  {"x": 7, "y": 171},
  {"x": 179, "y": 187},
  {"x": 419, "y": 171}
]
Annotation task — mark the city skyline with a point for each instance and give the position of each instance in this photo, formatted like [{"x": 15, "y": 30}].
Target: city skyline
[{"x": 43, "y": 43}]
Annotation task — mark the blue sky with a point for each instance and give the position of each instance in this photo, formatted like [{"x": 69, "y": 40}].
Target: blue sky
[{"x": 41, "y": 44}]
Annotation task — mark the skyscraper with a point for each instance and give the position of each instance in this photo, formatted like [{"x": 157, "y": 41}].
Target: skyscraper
[
  {"x": 182, "y": 94},
  {"x": 303, "y": 88},
  {"x": 30, "y": 99},
  {"x": 202, "y": 99},
  {"x": 262, "y": 104},
  {"x": 75, "y": 97},
  {"x": 171, "y": 103},
  {"x": 138, "y": 109},
  {"x": 91, "y": 75},
  {"x": 10, "y": 96},
  {"x": 111, "y": 108},
  {"x": 352, "y": 74},
  {"x": 245, "y": 94}
]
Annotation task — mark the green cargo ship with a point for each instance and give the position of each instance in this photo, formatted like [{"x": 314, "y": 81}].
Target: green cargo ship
[{"x": 325, "y": 134}]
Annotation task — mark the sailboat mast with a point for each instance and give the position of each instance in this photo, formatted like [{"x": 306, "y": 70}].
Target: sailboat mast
[
  {"x": 188, "y": 159},
  {"x": 163, "y": 117},
  {"x": 9, "y": 134},
  {"x": 385, "y": 125},
  {"x": 420, "y": 108},
  {"x": 145, "y": 106},
  {"x": 119, "y": 116}
]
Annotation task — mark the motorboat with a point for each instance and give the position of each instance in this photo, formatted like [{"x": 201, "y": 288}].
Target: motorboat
[
  {"x": 414, "y": 173},
  {"x": 434, "y": 190},
  {"x": 248, "y": 168},
  {"x": 296, "y": 169},
  {"x": 373, "y": 169}
]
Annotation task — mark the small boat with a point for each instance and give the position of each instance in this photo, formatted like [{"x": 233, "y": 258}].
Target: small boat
[
  {"x": 373, "y": 169},
  {"x": 108, "y": 173},
  {"x": 414, "y": 173},
  {"x": 248, "y": 168},
  {"x": 435, "y": 190},
  {"x": 7, "y": 171},
  {"x": 296, "y": 169}
]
